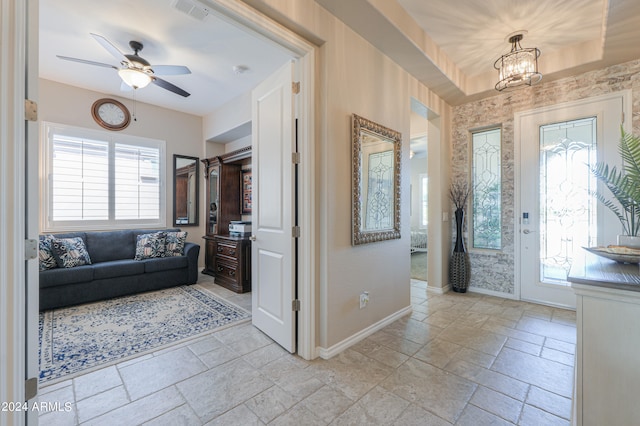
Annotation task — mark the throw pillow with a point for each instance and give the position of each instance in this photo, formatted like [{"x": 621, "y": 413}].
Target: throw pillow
[
  {"x": 175, "y": 243},
  {"x": 45, "y": 255},
  {"x": 70, "y": 252},
  {"x": 150, "y": 246}
]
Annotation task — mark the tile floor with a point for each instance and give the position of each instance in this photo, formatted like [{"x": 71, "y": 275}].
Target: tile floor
[{"x": 463, "y": 359}]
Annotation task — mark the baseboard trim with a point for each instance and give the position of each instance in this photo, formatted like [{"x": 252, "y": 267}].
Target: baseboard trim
[
  {"x": 326, "y": 353},
  {"x": 492, "y": 293},
  {"x": 438, "y": 290}
]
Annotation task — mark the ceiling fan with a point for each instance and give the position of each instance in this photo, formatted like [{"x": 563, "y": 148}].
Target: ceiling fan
[{"x": 136, "y": 72}]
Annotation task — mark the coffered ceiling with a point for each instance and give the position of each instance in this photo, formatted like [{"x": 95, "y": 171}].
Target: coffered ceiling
[{"x": 451, "y": 46}]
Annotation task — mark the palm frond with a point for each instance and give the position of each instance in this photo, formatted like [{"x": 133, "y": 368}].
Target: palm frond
[
  {"x": 630, "y": 153},
  {"x": 623, "y": 184}
]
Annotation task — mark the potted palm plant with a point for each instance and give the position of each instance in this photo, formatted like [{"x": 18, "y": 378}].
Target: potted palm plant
[{"x": 624, "y": 185}]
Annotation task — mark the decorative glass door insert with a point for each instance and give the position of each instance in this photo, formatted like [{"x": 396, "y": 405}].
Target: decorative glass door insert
[{"x": 567, "y": 208}]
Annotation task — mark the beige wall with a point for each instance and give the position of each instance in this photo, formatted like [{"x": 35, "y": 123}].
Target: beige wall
[
  {"x": 63, "y": 104},
  {"x": 354, "y": 77},
  {"x": 495, "y": 271}
]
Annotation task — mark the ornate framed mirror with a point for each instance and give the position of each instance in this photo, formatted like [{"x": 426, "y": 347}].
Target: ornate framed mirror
[
  {"x": 376, "y": 182},
  {"x": 186, "y": 190}
]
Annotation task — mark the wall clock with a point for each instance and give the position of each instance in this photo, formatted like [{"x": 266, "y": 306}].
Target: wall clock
[{"x": 110, "y": 114}]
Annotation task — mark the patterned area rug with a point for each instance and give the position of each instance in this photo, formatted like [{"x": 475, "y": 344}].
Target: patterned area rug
[{"x": 77, "y": 339}]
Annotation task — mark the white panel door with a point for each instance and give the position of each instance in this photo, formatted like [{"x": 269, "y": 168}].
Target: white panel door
[
  {"x": 558, "y": 214},
  {"x": 272, "y": 251}
]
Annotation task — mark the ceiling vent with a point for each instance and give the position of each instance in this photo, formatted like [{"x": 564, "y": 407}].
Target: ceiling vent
[{"x": 192, "y": 9}]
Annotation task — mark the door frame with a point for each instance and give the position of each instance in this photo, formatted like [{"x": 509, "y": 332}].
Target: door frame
[
  {"x": 627, "y": 109},
  {"x": 13, "y": 145},
  {"x": 304, "y": 53}
]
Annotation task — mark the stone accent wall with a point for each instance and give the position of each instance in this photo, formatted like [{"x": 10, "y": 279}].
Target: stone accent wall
[{"x": 494, "y": 270}]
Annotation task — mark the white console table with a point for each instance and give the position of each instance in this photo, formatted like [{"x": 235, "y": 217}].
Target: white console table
[{"x": 607, "y": 385}]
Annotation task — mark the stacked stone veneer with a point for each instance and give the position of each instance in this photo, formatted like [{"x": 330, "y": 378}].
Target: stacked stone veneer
[{"x": 494, "y": 270}]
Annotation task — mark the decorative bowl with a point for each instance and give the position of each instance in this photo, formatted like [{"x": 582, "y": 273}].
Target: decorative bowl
[{"x": 618, "y": 253}]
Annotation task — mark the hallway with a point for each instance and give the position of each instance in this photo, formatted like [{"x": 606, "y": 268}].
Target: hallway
[{"x": 462, "y": 359}]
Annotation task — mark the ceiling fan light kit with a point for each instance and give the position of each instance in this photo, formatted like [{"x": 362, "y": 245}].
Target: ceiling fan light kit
[
  {"x": 519, "y": 67},
  {"x": 134, "y": 78},
  {"x": 136, "y": 72}
]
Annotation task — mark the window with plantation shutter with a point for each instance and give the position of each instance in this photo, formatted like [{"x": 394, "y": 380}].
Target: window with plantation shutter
[
  {"x": 79, "y": 179},
  {"x": 101, "y": 180},
  {"x": 137, "y": 182}
]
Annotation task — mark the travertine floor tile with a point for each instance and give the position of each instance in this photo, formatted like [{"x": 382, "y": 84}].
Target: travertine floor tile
[
  {"x": 474, "y": 416},
  {"x": 180, "y": 416},
  {"x": 438, "y": 352},
  {"x": 532, "y": 416},
  {"x": 101, "y": 403},
  {"x": 464, "y": 359},
  {"x": 478, "y": 339},
  {"x": 431, "y": 388},
  {"x": 142, "y": 410},
  {"x": 417, "y": 416},
  {"x": 491, "y": 379},
  {"x": 160, "y": 372},
  {"x": 297, "y": 416},
  {"x": 327, "y": 403},
  {"x": 550, "y": 402},
  {"x": 271, "y": 403},
  {"x": 548, "y": 375},
  {"x": 352, "y": 373},
  {"x": 96, "y": 382},
  {"x": 565, "y": 333},
  {"x": 378, "y": 407},
  {"x": 240, "y": 415},
  {"x": 216, "y": 391},
  {"x": 496, "y": 403}
]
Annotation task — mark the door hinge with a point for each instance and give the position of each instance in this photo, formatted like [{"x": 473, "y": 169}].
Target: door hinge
[
  {"x": 30, "y": 249},
  {"x": 295, "y": 87},
  {"x": 295, "y": 231},
  {"x": 30, "y": 388},
  {"x": 30, "y": 110},
  {"x": 295, "y": 158},
  {"x": 295, "y": 305}
]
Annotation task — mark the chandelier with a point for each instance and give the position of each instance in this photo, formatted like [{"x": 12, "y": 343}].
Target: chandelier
[{"x": 518, "y": 67}]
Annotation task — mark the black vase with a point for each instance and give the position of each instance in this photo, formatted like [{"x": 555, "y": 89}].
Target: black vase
[{"x": 459, "y": 266}]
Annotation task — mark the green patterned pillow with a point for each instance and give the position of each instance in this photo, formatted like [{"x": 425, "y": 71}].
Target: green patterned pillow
[
  {"x": 70, "y": 252},
  {"x": 45, "y": 255},
  {"x": 175, "y": 243},
  {"x": 151, "y": 246}
]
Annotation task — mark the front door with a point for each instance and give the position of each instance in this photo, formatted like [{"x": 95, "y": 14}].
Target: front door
[
  {"x": 558, "y": 214},
  {"x": 272, "y": 251}
]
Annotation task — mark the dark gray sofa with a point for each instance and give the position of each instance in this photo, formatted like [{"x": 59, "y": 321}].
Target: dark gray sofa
[{"x": 113, "y": 271}]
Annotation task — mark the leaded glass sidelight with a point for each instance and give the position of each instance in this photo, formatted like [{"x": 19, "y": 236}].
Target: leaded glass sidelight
[
  {"x": 567, "y": 209},
  {"x": 487, "y": 199}
]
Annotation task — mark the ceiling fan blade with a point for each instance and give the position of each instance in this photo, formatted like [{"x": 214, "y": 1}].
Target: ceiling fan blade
[
  {"x": 110, "y": 47},
  {"x": 84, "y": 61},
  {"x": 170, "y": 87},
  {"x": 170, "y": 70}
]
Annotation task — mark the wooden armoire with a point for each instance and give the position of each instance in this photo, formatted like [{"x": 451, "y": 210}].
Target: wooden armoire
[{"x": 227, "y": 258}]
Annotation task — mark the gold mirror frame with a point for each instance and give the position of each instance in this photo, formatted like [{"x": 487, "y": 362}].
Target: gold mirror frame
[{"x": 365, "y": 134}]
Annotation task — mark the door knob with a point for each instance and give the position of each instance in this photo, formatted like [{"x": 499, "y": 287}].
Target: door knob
[
  {"x": 526, "y": 231},
  {"x": 252, "y": 238}
]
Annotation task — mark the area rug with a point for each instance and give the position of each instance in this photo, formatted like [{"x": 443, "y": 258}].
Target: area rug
[{"x": 78, "y": 339}]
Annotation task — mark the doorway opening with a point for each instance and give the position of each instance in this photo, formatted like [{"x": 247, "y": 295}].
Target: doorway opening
[{"x": 419, "y": 194}]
